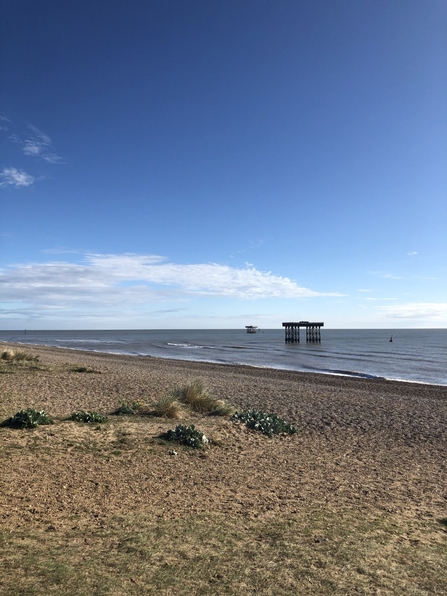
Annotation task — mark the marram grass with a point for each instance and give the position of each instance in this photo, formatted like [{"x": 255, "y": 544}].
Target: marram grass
[{"x": 198, "y": 398}]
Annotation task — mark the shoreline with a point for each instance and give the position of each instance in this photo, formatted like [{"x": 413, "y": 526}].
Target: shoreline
[
  {"x": 168, "y": 370},
  {"x": 372, "y": 412},
  {"x": 341, "y": 374}
]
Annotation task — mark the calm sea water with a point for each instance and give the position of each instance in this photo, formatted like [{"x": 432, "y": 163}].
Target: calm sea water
[{"x": 418, "y": 355}]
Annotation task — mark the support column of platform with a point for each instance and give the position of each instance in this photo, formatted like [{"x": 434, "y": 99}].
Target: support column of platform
[
  {"x": 313, "y": 333},
  {"x": 292, "y": 332}
]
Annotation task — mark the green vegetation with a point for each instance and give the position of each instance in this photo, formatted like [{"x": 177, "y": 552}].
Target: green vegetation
[
  {"x": 198, "y": 398},
  {"x": 129, "y": 407},
  {"x": 82, "y": 369},
  {"x": 88, "y": 417},
  {"x": 187, "y": 435},
  {"x": 9, "y": 355},
  {"x": 28, "y": 418},
  {"x": 168, "y": 407},
  {"x": 12, "y": 359},
  {"x": 312, "y": 552},
  {"x": 267, "y": 423}
]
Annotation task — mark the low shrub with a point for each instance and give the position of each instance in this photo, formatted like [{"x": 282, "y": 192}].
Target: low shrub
[
  {"x": 187, "y": 435},
  {"x": 267, "y": 423},
  {"x": 88, "y": 417},
  {"x": 29, "y": 418},
  {"x": 82, "y": 369},
  {"x": 129, "y": 408}
]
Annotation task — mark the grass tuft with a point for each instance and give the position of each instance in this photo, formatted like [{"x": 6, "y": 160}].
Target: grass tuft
[
  {"x": 10, "y": 355},
  {"x": 11, "y": 358},
  {"x": 197, "y": 397},
  {"x": 168, "y": 407}
]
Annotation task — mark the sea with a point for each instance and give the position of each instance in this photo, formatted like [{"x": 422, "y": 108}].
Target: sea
[{"x": 414, "y": 355}]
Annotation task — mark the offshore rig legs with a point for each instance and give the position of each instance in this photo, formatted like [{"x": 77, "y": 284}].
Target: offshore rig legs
[{"x": 292, "y": 331}]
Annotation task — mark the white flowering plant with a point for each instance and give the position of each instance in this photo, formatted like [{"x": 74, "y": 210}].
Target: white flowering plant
[
  {"x": 29, "y": 418},
  {"x": 187, "y": 435},
  {"x": 88, "y": 417},
  {"x": 265, "y": 422}
]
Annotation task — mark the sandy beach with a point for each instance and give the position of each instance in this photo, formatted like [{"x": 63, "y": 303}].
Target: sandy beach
[
  {"x": 357, "y": 439},
  {"x": 377, "y": 447}
]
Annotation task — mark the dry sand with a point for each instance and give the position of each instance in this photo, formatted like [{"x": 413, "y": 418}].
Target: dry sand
[{"x": 369, "y": 444}]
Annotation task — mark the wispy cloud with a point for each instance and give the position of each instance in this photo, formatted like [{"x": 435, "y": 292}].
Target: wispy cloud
[
  {"x": 107, "y": 282},
  {"x": 15, "y": 177},
  {"x": 33, "y": 142},
  {"x": 38, "y": 144},
  {"x": 417, "y": 310},
  {"x": 385, "y": 275},
  {"x": 412, "y": 254},
  {"x": 379, "y": 299},
  {"x": 4, "y": 121}
]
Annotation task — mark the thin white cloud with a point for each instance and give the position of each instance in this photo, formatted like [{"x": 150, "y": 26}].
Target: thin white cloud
[
  {"x": 34, "y": 142},
  {"x": 38, "y": 144},
  {"x": 385, "y": 275},
  {"x": 4, "y": 126},
  {"x": 417, "y": 310},
  {"x": 412, "y": 254},
  {"x": 15, "y": 177},
  {"x": 112, "y": 282},
  {"x": 32, "y": 148},
  {"x": 379, "y": 299}
]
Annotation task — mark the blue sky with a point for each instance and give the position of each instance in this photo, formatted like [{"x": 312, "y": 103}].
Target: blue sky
[{"x": 198, "y": 164}]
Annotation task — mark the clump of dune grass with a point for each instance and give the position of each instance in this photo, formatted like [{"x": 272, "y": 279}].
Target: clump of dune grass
[
  {"x": 168, "y": 407},
  {"x": 11, "y": 360},
  {"x": 14, "y": 356},
  {"x": 7, "y": 355},
  {"x": 198, "y": 398}
]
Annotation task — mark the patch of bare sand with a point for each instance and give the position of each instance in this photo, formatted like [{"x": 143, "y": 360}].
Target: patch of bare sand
[{"x": 375, "y": 446}]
